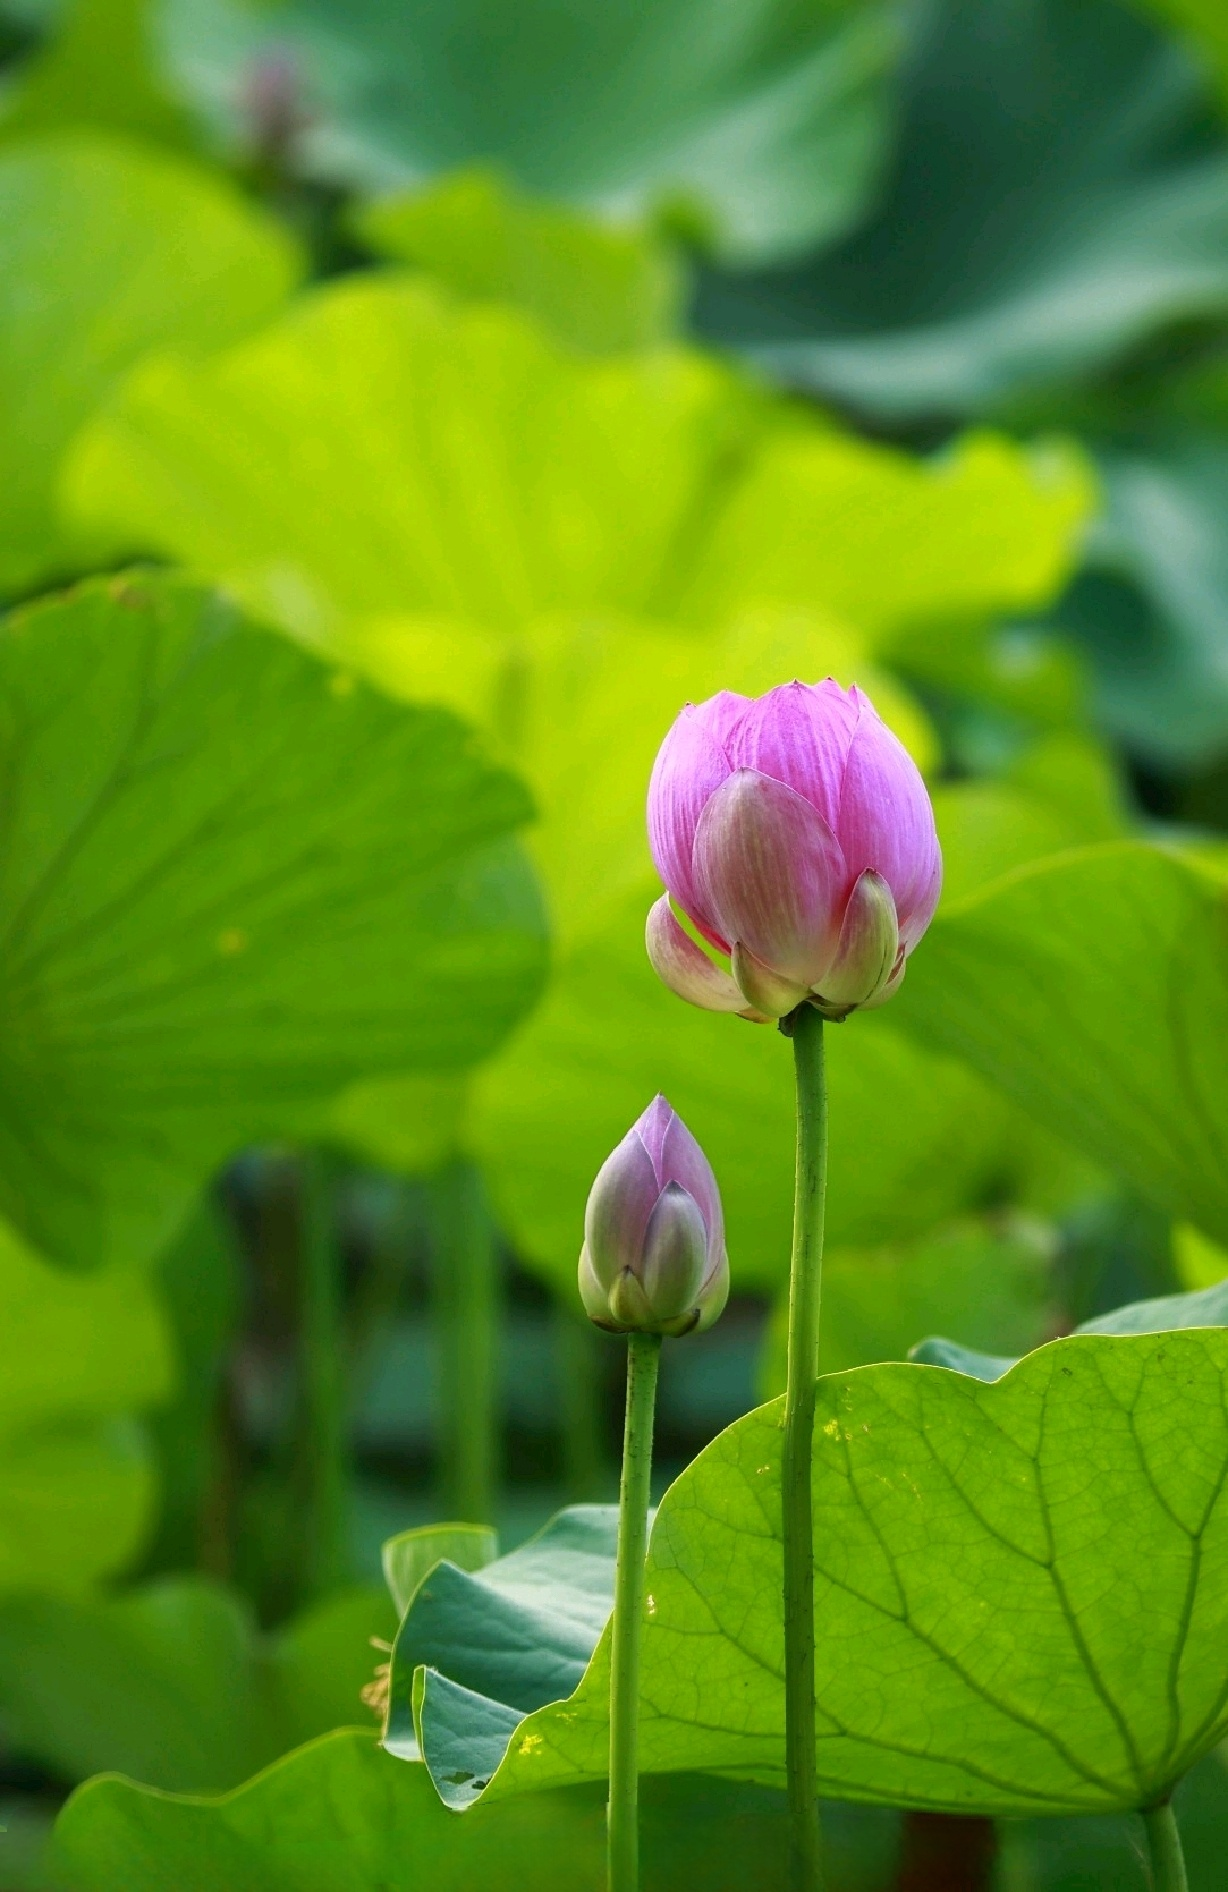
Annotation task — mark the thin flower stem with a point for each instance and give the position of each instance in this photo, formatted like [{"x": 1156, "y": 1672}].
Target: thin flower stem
[
  {"x": 623, "y": 1851},
  {"x": 1167, "y": 1858},
  {"x": 805, "y": 1280},
  {"x": 466, "y": 1292}
]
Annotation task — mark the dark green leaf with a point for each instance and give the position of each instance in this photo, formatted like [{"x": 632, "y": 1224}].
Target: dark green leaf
[
  {"x": 1150, "y": 607},
  {"x": 233, "y": 880},
  {"x": 505, "y": 1639},
  {"x": 1059, "y": 193},
  {"x": 763, "y": 124}
]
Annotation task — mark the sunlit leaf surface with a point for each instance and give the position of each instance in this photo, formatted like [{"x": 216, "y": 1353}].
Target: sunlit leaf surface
[
  {"x": 233, "y": 880},
  {"x": 984, "y": 1557},
  {"x": 105, "y": 251}
]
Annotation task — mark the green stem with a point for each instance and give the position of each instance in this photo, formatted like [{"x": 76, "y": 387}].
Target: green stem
[
  {"x": 1167, "y": 1858},
  {"x": 643, "y": 1358},
  {"x": 325, "y": 1430},
  {"x": 466, "y": 1281},
  {"x": 810, "y": 1189}
]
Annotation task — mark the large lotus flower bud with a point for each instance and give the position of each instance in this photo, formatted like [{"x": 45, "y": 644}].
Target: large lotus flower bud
[
  {"x": 795, "y": 833},
  {"x": 654, "y": 1256}
]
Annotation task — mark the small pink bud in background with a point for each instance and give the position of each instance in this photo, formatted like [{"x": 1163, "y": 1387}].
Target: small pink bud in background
[
  {"x": 654, "y": 1256},
  {"x": 795, "y": 833}
]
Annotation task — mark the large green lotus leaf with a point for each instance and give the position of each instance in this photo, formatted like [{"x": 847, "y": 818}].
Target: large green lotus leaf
[
  {"x": 1058, "y": 194},
  {"x": 763, "y": 122},
  {"x": 985, "y": 1282},
  {"x": 381, "y": 452},
  {"x": 1060, "y": 793},
  {"x": 1150, "y": 608},
  {"x": 82, "y": 1353},
  {"x": 99, "y": 68},
  {"x": 341, "y": 1813},
  {"x": 984, "y": 1556},
  {"x": 107, "y": 251},
  {"x": 1093, "y": 989},
  {"x": 172, "y": 1685},
  {"x": 233, "y": 881},
  {"x": 600, "y": 288}
]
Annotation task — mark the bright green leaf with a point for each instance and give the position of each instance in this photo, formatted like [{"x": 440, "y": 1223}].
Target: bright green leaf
[
  {"x": 341, "y": 1813},
  {"x": 1094, "y": 990},
  {"x": 984, "y": 1557},
  {"x": 76, "y": 1483},
  {"x": 107, "y": 251},
  {"x": 600, "y": 288},
  {"x": 763, "y": 125},
  {"x": 381, "y": 453},
  {"x": 1199, "y": 1263},
  {"x": 1060, "y": 794},
  {"x": 233, "y": 881}
]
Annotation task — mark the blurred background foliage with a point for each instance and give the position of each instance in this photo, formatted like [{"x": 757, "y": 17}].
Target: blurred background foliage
[{"x": 431, "y": 398}]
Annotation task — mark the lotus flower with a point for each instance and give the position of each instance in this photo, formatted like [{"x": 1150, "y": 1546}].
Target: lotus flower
[
  {"x": 654, "y": 1256},
  {"x": 794, "y": 832}
]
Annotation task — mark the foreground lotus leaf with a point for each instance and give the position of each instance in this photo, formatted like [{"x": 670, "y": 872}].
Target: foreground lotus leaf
[{"x": 984, "y": 1555}]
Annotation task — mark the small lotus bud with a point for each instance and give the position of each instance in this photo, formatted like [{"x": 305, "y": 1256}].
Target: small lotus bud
[
  {"x": 795, "y": 833},
  {"x": 654, "y": 1256}
]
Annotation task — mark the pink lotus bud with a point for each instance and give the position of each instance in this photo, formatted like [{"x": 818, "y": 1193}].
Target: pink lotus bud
[
  {"x": 654, "y": 1256},
  {"x": 795, "y": 833}
]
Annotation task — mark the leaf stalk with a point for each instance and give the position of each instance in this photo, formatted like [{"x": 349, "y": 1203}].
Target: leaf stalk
[
  {"x": 643, "y": 1360},
  {"x": 805, "y": 1286},
  {"x": 1164, "y": 1843}
]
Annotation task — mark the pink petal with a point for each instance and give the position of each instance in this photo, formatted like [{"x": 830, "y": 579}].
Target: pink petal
[
  {"x": 682, "y": 1161},
  {"x": 619, "y": 1205},
  {"x": 680, "y": 964},
  {"x": 691, "y": 764},
  {"x": 800, "y": 734},
  {"x": 886, "y": 823},
  {"x": 770, "y": 869}
]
